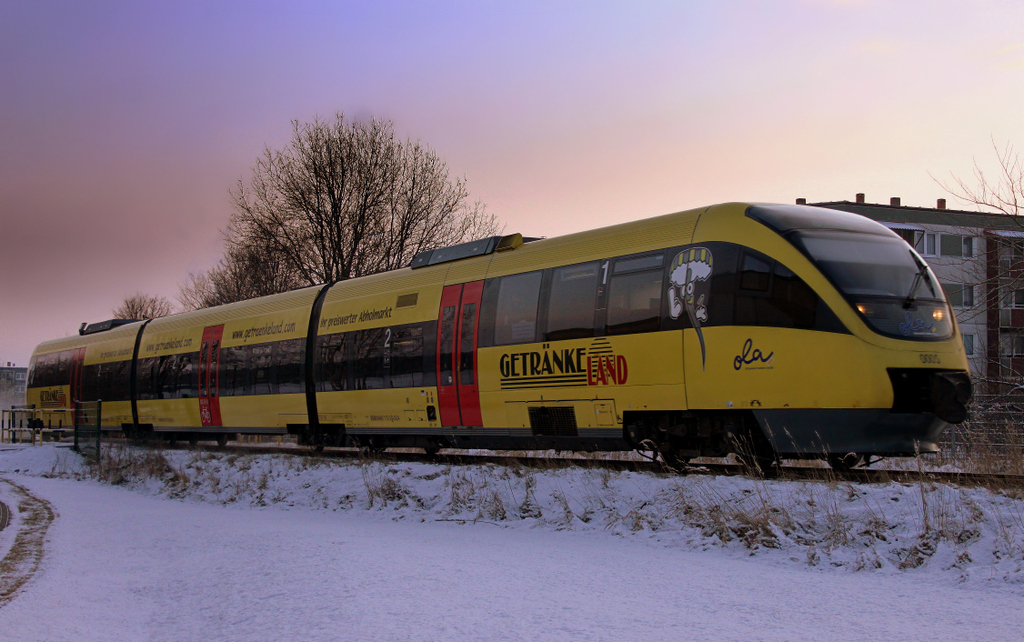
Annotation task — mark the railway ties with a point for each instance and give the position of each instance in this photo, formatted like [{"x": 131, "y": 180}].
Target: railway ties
[{"x": 784, "y": 473}]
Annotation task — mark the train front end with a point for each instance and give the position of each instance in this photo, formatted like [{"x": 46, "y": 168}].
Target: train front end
[{"x": 884, "y": 375}]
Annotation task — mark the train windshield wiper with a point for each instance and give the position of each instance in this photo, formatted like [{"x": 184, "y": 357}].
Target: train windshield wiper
[{"x": 921, "y": 273}]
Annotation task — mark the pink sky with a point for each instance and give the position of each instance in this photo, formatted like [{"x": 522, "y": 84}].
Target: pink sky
[{"x": 123, "y": 125}]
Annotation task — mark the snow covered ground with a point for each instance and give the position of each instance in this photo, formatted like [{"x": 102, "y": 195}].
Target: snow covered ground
[{"x": 187, "y": 545}]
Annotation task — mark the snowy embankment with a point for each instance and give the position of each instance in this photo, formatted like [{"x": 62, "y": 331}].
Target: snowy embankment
[{"x": 963, "y": 535}]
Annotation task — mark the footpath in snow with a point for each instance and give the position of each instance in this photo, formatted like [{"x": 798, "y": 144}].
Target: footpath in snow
[{"x": 188, "y": 545}]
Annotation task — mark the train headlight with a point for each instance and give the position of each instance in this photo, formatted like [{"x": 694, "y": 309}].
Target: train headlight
[
  {"x": 863, "y": 309},
  {"x": 938, "y": 315}
]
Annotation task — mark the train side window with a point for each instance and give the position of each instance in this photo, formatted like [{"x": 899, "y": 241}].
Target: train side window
[
  {"x": 407, "y": 357},
  {"x": 288, "y": 357},
  {"x": 634, "y": 302},
  {"x": 164, "y": 383},
  {"x": 332, "y": 363},
  {"x": 488, "y": 305},
  {"x": 144, "y": 374},
  {"x": 188, "y": 375},
  {"x": 234, "y": 371},
  {"x": 368, "y": 359},
  {"x": 261, "y": 370},
  {"x": 429, "y": 360},
  {"x": 572, "y": 302},
  {"x": 121, "y": 384},
  {"x": 515, "y": 318},
  {"x": 635, "y": 264},
  {"x": 92, "y": 382}
]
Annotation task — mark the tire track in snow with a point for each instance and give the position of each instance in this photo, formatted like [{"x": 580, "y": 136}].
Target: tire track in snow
[{"x": 26, "y": 554}]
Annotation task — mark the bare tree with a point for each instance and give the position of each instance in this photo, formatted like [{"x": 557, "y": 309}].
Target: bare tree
[
  {"x": 142, "y": 306},
  {"x": 1001, "y": 262},
  {"x": 346, "y": 199},
  {"x": 245, "y": 272},
  {"x": 342, "y": 200},
  {"x": 1004, "y": 193}
]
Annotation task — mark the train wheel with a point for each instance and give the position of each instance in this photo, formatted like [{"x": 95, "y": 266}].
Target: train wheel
[
  {"x": 844, "y": 463},
  {"x": 672, "y": 459},
  {"x": 193, "y": 440},
  {"x": 222, "y": 439},
  {"x": 757, "y": 457}
]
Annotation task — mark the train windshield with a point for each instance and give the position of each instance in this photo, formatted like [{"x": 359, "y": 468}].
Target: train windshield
[
  {"x": 882, "y": 277},
  {"x": 891, "y": 287}
]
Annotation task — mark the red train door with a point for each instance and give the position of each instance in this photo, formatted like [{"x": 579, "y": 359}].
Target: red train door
[
  {"x": 77, "y": 362},
  {"x": 458, "y": 327},
  {"x": 209, "y": 376}
]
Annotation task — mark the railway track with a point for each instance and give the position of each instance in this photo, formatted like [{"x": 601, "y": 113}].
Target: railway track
[{"x": 794, "y": 473}]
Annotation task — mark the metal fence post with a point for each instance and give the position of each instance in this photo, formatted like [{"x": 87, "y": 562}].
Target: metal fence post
[{"x": 99, "y": 433}]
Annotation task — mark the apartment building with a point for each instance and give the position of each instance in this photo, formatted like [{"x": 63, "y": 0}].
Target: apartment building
[{"x": 12, "y": 384}]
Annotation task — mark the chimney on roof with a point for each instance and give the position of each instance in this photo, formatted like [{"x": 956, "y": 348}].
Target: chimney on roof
[
  {"x": 801, "y": 201},
  {"x": 860, "y": 197},
  {"x": 940, "y": 204},
  {"x": 894, "y": 201}
]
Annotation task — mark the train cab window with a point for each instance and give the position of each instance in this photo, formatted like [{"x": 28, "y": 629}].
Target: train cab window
[
  {"x": 52, "y": 369},
  {"x": 62, "y": 375},
  {"x": 793, "y": 303},
  {"x": 755, "y": 274},
  {"x": 515, "y": 317},
  {"x": 572, "y": 302},
  {"x": 634, "y": 295}
]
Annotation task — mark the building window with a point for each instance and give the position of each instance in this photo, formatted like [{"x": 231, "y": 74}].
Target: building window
[
  {"x": 969, "y": 344},
  {"x": 968, "y": 246},
  {"x": 912, "y": 237},
  {"x": 968, "y": 294},
  {"x": 960, "y": 295},
  {"x": 929, "y": 245},
  {"x": 1011, "y": 345},
  {"x": 1013, "y": 299},
  {"x": 951, "y": 244}
]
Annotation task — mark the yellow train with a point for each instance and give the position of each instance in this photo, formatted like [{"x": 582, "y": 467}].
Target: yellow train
[{"x": 766, "y": 330}]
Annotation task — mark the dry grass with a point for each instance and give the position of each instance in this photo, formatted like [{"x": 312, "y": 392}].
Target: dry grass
[{"x": 985, "y": 449}]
